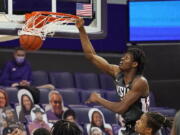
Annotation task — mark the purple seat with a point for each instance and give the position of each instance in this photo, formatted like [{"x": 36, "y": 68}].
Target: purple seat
[
  {"x": 152, "y": 99},
  {"x": 62, "y": 79},
  {"x": 39, "y": 78},
  {"x": 70, "y": 96},
  {"x": 106, "y": 82},
  {"x": 44, "y": 96},
  {"x": 87, "y": 81},
  {"x": 170, "y": 112},
  {"x": 12, "y": 94},
  {"x": 82, "y": 114},
  {"x": 112, "y": 96}
]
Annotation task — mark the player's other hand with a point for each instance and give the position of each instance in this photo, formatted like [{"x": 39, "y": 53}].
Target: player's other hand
[
  {"x": 93, "y": 98},
  {"x": 79, "y": 23}
]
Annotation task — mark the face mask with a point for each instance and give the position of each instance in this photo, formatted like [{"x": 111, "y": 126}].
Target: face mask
[{"x": 20, "y": 59}]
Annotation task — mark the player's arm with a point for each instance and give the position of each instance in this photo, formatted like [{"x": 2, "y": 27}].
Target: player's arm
[
  {"x": 90, "y": 53},
  {"x": 139, "y": 89}
]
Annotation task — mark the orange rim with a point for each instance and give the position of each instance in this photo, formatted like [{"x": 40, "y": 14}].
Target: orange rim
[{"x": 50, "y": 18}]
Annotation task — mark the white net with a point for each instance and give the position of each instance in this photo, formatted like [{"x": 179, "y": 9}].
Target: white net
[{"x": 42, "y": 26}]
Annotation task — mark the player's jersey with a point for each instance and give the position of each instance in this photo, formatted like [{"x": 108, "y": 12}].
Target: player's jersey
[{"x": 135, "y": 111}]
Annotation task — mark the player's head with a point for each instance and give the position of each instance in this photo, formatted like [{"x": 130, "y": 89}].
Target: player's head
[
  {"x": 19, "y": 55},
  {"x": 150, "y": 123},
  {"x": 133, "y": 58},
  {"x": 63, "y": 127}
]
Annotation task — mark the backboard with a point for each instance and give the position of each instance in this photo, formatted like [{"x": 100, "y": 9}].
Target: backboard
[{"x": 12, "y": 16}]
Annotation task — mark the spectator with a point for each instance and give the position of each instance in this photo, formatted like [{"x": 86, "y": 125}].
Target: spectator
[
  {"x": 3, "y": 100},
  {"x": 18, "y": 72},
  {"x": 150, "y": 123},
  {"x": 26, "y": 103},
  {"x": 10, "y": 121},
  {"x": 41, "y": 131},
  {"x": 97, "y": 119},
  {"x": 69, "y": 115},
  {"x": 39, "y": 120},
  {"x": 3, "y": 104},
  {"x": 63, "y": 127},
  {"x": 56, "y": 108},
  {"x": 176, "y": 125}
]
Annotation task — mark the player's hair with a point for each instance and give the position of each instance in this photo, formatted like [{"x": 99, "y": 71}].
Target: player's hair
[
  {"x": 63, "y": 127},
  {"x": 139, "y": 57},
  {"x": 156, "y": 121}
]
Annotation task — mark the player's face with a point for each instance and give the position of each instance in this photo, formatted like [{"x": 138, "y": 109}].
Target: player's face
[
  {"x": 141, "y": 125},
  {"x": 2, "y": 100},
  {"x": 56, "y": 103},
  {"x": 126, "y": 62},
  {"x": 26, "y": 103},
  {"x": 97, "y": 119}
]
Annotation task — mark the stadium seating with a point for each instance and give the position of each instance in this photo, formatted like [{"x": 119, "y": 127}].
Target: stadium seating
[
  {"x": 106, "y": 82},
  {"x": 62, "y": 79},
  {"x": 112, "y": 96},
  {"x": 39, "y": 78},
  {"x": 44, "y": 95},
  {"x": 87, "y": 81},
  {"x": 170, "y": 112},
  {"x": 70, "y": 96},
  {"x": 82, "y": 114},
  {"x": 12, "y": 94}
]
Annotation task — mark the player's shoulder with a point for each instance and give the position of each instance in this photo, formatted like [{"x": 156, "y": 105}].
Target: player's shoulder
[
  {"x": 141, "y": 83},
  {"x": 141, "y": 79}
]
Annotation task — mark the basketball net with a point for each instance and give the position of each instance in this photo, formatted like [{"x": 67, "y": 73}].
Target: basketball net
[
  {"x": 42, "y": 24},
  {"x": 4, "y": 38}
]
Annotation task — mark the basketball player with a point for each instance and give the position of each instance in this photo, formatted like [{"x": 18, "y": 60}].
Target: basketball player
[{"x": 132, "y": 86}]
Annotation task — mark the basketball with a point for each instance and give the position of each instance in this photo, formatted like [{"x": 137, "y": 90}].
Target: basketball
[{"x": 30, "y": 42}]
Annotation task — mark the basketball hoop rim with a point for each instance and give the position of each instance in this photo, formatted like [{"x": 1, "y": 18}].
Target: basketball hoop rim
[
  {"x": 38, "y": 13},
  {"x": 41, "y": 23}
]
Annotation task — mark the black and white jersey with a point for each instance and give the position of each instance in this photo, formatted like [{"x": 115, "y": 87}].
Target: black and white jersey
[{"x": 140, "y": 106}]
